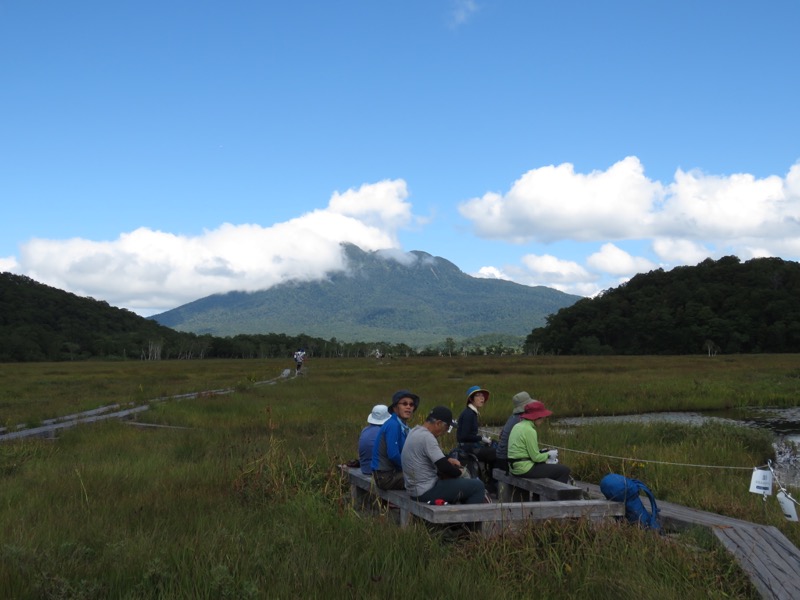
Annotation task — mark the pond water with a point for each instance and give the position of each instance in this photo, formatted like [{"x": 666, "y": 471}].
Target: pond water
[{"x": 784, "y": 423}]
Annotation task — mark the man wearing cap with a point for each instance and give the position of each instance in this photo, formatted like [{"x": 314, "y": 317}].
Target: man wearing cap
[
  {"x": 366, "y": 441},
  {"x": 519, "y": 401},
  {"x": 387, "y": 468},
  {"x": 429, "y": 474},
  {"x": 524, "y": 455}
]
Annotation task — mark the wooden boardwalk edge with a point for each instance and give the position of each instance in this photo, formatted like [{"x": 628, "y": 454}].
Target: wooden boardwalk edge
[{"x": 767, "y": 556}]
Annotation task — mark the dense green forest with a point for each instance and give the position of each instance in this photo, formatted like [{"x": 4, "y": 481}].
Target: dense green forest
[
  {"x": 39, "y": 322},
  {"x": 717, "y": 306},
  {"x": 43, "y": 323}
]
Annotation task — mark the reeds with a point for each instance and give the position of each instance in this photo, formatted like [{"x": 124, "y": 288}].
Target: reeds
[{"x": 239, "y": 497}]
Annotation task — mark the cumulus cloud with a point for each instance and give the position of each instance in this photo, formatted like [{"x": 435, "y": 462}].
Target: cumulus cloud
[
  {"x": 615, "y": 261},
  {"x": 151, "y": 271},
  {"x": 491, "y": 273},
  {"x": 9, "y": 263},
  {"x": 694, "y": 217},
  {"x": 556, "y": 203},
  {"x": 553, "y": 270}
]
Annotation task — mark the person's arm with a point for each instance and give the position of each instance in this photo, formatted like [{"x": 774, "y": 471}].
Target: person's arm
[
  {"x": 532, "y": 446},
  {"x": 446, "y": 469}
]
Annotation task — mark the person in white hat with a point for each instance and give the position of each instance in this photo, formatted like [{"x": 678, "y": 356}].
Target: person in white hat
[{"x": 366, "y": 441}]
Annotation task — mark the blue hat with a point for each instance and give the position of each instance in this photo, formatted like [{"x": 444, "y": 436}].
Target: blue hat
[
  {"x": 399, "y": 395},
  {"x": 474, "y": 389}
]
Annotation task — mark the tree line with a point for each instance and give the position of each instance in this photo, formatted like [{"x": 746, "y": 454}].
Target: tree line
[
  {"x": 717, "y": 306},
  {"x": 43, "y": 323}
]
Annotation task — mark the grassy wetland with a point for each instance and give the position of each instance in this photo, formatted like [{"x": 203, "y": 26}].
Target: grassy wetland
[{"x": 238, "y": 495}]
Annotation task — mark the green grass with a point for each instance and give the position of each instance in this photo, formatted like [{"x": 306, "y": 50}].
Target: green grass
[{"x": 239, "y": 497}]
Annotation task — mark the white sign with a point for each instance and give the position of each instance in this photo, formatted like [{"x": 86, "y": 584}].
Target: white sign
[
  {"x": 761, "y": 482},
  {"x": 787, "y": 506}
]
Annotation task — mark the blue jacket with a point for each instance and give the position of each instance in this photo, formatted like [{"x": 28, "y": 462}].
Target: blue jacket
[
  {"x": 366, "y": 443},
  {"x": 389, "y": 445}
]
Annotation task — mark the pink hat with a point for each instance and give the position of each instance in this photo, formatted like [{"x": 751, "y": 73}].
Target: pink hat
[{"x": 535, "y": 410}]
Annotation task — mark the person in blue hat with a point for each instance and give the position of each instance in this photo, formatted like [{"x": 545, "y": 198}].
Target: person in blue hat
[
  {"x": 469, "y": 437},
  {"x": 387, "y": 468}
]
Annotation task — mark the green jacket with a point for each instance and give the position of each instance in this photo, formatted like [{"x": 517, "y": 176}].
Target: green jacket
[{"x": 524, "y": 443}]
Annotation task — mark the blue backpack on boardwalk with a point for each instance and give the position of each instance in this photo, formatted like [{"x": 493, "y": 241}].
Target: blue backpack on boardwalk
[{"x": 623, "y": 489}]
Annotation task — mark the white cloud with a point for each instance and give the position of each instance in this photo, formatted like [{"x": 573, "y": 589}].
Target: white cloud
[
  {"x": 9, "y": 263},
  {"x": 697, "y": 216},
  {"x": 152, "y": 271},
  {"x": 555, "y": 203},
  {"x": 701, "y": 206},
  {"x": 549, "y": 269},
  {"x": 683, "y": 252},
  {"x": 462, "y": 11},
  {"x": 615, "y": 261},
  {"x": 491, "y": 273}
]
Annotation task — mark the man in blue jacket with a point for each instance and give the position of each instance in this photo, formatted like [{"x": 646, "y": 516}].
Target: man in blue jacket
[{"x": 387, "y": 468}]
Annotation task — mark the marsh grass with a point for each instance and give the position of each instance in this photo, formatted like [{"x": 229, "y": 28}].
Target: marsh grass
[{"x": 239, "y": 496}]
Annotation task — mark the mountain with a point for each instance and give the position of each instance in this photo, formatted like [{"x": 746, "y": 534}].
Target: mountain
[{"x": 417, "y": 299}]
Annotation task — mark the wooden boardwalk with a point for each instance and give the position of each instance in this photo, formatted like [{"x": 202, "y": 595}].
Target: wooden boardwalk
[
  {"x": 767, "y": 556},
  {"x": 489, "y": 519}
]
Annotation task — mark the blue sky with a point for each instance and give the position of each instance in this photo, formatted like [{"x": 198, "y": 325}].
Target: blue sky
[{"x": 152, "y": 153}]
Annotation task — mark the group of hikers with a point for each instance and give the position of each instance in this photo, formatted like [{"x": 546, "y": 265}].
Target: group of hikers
[{"x": 399, "y": 457}]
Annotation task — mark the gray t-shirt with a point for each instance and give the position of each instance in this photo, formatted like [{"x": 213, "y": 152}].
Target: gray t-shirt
[{"x": 420, "y": 453}]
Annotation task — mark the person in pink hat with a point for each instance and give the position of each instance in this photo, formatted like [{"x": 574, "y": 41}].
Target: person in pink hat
[{"x": 525, "y": 458}]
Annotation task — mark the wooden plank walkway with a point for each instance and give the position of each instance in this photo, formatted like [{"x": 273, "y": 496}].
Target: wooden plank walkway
[
  {"x": 487, "y": 518},
  {"x": 767, "y": 556},
  {"x": 512, "y": 488}
]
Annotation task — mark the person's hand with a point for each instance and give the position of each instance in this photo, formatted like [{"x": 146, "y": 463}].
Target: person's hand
[
  {"x": 486, "y": 439},
  {"x": 552, "y": 457},
  {"x": 454, "y": 462}
]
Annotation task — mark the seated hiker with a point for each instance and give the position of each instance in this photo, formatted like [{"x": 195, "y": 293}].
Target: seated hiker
[
  {"x": 366, "y": 440},
  {"x": 468, "y": 436},
  {"x": 429, "y": 474},
  {"x": 387, "y": 469},
  {"x": 524, "y": 456},
  {"x": 519, "y": 401}
]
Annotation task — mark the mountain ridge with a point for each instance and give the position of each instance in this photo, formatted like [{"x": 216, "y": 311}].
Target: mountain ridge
[{"x": 412, "y": 298}]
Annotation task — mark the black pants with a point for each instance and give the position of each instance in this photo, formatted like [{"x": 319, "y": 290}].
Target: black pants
[{"x": 542, "y": 470}]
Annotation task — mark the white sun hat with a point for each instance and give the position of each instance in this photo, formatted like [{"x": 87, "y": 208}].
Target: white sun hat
[{"x": 379, "y": 415}]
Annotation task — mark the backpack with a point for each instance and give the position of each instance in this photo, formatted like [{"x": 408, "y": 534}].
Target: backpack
[
  {"x": 469, "y": 461},
  {"x": 623, "y": 489}
]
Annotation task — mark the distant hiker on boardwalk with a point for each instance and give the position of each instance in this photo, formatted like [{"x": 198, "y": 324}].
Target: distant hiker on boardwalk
[{"x": 299, "y": 359}]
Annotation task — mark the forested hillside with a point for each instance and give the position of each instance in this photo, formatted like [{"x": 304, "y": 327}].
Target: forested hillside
[
  {"x": 39, "y": 322},
  {"x": 43, "y": 323},
  {"x": 717, "y": 306}
]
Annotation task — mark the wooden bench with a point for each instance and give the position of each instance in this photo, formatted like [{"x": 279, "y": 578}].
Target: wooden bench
[
  {"x": 512, "y": 488},
  {"x": 486, "y": 518}
]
